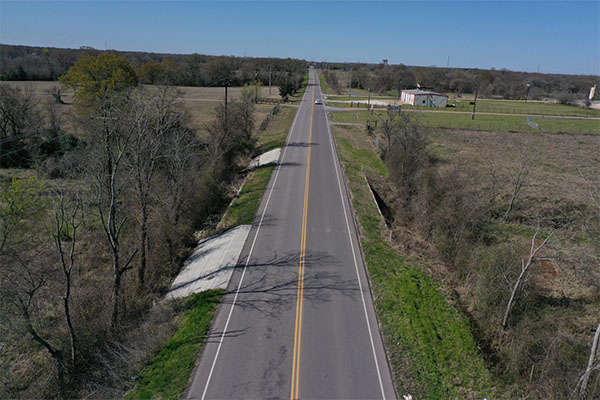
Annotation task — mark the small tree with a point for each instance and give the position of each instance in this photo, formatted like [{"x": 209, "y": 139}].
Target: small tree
[
  {"x": 518, "y": 179},
  {"x": 286, "y": 89},
  {"x": 406, "y": 152},
  {"x": 526, "y": 265},
  {"x": 94, "y": 78}
]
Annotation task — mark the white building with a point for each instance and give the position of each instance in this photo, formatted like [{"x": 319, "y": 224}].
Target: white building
[{"x": 418, "y": 97}]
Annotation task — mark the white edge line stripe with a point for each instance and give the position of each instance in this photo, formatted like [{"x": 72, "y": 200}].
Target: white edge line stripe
[
  {"x": 250, "y": 253},
  {"x": 335, "y": 162}
]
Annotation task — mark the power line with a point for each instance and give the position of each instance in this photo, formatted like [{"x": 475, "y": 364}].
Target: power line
[
  {"x": 34, "y": 145},
  {"x": 26, "y": 135}
]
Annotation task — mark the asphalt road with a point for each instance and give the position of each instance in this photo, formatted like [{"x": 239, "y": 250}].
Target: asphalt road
[{"x": 298, "y": 320}]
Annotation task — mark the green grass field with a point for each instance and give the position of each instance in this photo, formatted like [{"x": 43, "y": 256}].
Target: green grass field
[
  {"x": 166, "y": 375},
  {"x": 482, "y": 122},
  {"x": 521, "y": 107},
  {"x": 487, "y": 106},
  {"x": 433, "y": 353}
]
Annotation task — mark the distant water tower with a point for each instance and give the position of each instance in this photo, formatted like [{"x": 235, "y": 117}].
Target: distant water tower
[{"x": 384, "y": 62}]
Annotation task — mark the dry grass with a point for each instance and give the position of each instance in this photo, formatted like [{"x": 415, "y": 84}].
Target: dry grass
[
  {"x": 554, "y": 177},
  {"x": 198, "y": 101},
  {"x": 555, "y": 188}
]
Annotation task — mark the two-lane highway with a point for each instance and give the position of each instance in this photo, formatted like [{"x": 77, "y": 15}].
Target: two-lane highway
[{"x": 298, "y": 320}]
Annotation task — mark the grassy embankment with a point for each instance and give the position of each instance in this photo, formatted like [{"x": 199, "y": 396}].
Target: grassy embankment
[
  {"x": 433, "y": 353},
  {"x": 482, "y": 122},
  {"x": 325, "y": 89},
  {"x": 296, "y": 97},
  {"x": 167, "y": 374},
  {"x": 244, "y": 207}
]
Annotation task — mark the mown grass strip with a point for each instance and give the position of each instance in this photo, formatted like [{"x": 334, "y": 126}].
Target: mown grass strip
[
  {"x": 432, "y": 350},
  {"x": 324, "y": 87},
  {"x": 276, "y": 132},
  {"x": 167, "y": 374},
  {"x": 483, "y": 122},
  {"x": 244, "y": 207}
]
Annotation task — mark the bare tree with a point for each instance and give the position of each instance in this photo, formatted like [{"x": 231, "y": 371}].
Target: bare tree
[
  {"x": 24, "y": 275},
  {"x": 66, "y": 223},
  {"x": 593, "y": 364},
  {"x": 228, "y": 136},
  {"x": 18, "y": 121},
  {"x": 526, "y": 265},
  {"x": 112, "y": 135},
  {"x": 17, "y": 111},
  {"x": 180, "y": 170},
  {"x": 518, "y": 178},
  {"x": 493, "y": 193},
  {"x": 155, "y": 118}
]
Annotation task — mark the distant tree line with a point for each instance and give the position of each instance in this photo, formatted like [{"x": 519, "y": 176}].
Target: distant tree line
[
  {"x": 24, "y": 63},
  {"x": 492, "y": 83}
]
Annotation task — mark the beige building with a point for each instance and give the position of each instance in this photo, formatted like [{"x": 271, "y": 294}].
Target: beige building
[{"x": 424, "y": 98}]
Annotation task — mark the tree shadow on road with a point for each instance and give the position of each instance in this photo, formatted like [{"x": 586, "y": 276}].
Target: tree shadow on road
[{"x": 271, "y": 286}]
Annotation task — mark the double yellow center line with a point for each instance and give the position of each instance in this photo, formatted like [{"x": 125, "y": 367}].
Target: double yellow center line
[{"x": 298, "y": 327}]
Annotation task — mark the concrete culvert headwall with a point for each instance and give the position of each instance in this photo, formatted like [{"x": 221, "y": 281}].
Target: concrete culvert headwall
[{"x": 384, "y": 210}]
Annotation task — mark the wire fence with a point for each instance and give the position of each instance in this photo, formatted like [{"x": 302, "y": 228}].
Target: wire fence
[
  {"x": 528, "y": 111},
  {"x": 483, "y": 108},
  {"x": 510, "y": 127}
]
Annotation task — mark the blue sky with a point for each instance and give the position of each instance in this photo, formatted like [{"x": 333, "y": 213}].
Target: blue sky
[{"x": 560, "y": 37}]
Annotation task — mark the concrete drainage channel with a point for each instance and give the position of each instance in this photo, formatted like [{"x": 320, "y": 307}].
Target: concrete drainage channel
[{"x": 212, "y": 263}]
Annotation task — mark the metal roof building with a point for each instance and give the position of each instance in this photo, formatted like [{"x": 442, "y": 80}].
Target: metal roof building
[{"x": 424, "y": 98}]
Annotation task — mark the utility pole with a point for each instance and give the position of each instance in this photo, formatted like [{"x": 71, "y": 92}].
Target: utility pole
[
  {"x": 527, "y": 95},
  {"x": 350, "y": 84},
  {"x": 474, "y": 104},
  {"x": 369, "y": 102},
  {"x": 269, "y": 80},
  {"x": 399, "y": 87},
  {"x": 256, "y": 87},
  {"x": 448, "y": 62},
  {"x": 226, "y": 84}
]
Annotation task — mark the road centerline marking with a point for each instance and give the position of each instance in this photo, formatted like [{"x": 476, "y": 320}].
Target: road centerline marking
[
  {"x": 301, "y": 265},
  {"x": 262, "y": 217}
]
